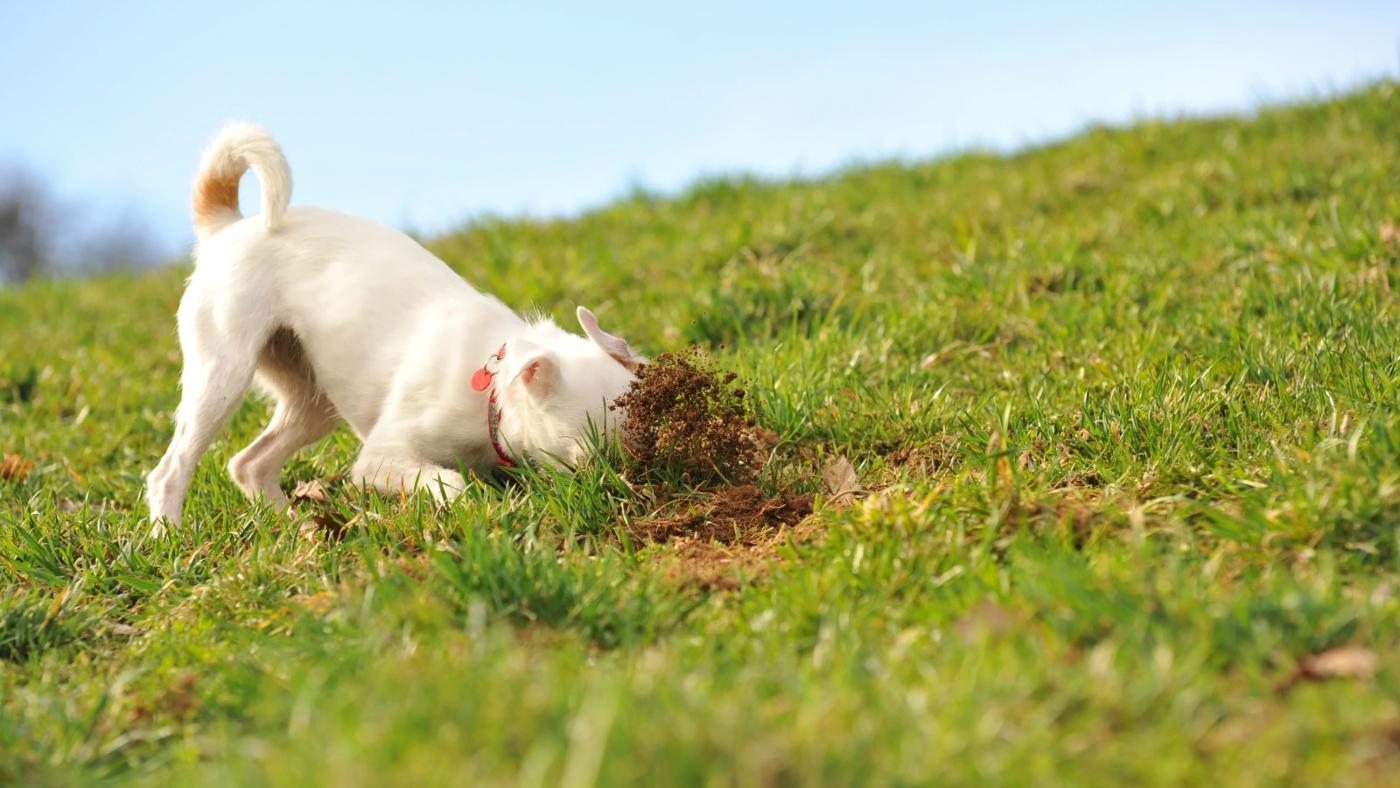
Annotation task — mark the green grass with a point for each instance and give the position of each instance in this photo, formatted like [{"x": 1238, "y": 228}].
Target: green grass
[{"x": 1128, "y": 403}]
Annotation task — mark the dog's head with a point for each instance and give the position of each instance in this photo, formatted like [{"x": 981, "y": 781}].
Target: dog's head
[{"x": 555, "y": 386}]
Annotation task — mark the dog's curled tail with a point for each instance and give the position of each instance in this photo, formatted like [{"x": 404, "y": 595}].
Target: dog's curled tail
[{"x": 237, "y": 147}]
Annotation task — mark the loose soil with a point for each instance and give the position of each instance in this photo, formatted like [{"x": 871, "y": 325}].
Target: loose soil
[
  {"x": 732, "y": 516},
  {"x": 722, "y": 539},
  {"x": 687, "y": 427},
  {"x": 727, "y": 537},
  {"x": 686, "y": 421}
]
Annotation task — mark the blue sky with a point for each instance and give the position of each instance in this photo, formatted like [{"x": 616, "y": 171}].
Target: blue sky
[{"x": 426, "y": 114}]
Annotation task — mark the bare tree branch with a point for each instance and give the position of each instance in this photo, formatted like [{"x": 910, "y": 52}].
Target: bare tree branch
[{"x": 42, "y": 236}]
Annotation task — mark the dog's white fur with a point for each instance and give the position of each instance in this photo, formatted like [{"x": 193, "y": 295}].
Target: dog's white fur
[{"x": 340, "y": 318}]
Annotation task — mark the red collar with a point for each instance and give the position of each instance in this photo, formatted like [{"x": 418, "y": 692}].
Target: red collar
[{"x": 482, "y": 380}]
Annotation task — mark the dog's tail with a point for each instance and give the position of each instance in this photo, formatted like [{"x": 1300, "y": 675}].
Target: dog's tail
[{"x": 240, "y": 146}]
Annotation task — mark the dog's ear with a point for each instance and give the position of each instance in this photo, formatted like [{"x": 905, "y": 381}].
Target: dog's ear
[
  {"x": 532, "y": 366},
  {"x": 613, "y": 346}
]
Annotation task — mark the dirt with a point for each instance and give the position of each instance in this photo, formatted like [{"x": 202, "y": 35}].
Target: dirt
[
  {"x": 687, "y": 421},
  {"x": 923, "y": 458},
  {"x": 179, "y": 701},
  {"x": 733, "y": 515},
  {"x": 721, "y": 539},
  {"x": 727, "y": 537},
  {"x": 690, "y": 437}
]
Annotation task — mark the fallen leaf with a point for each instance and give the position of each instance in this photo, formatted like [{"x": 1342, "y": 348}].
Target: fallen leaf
[
  {"x": 328, "y": 523},
  {"x": 15, "y": 468},
  {"x": 1343, "y": 662},
  {"x": 986, "y": 619},
  {"x": 309, "y": 491},
  {"x": 841, "y": 481}
]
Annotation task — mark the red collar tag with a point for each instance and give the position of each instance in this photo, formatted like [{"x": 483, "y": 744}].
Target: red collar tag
[{"x": 483, "y": 379}]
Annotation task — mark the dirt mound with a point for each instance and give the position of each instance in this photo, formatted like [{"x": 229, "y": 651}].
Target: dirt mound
[
  {"x": 688, "y": 428},
  {"x": 733, "y": 515},
  {"x": 686, "y": 422}
]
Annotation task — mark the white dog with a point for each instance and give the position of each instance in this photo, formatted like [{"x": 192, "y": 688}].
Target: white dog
[{"x": 342, "y": 318}]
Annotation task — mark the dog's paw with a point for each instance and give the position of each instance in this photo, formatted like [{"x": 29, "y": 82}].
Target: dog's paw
[{"x": 445, "y": 485}]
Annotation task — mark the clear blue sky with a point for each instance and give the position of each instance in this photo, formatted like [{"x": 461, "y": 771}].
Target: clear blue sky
[{"x": 426, "y": 114}]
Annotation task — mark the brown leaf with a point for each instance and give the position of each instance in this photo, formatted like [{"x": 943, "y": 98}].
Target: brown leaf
[
  {"x": 1343, "y": 662},
  {"x": 309, "y": 491},
  {"x": 328, "y": 522},
  {"x": 1390, "y": 235},
  {"x": 986, "y": 619},
  {"x": 14, "y": 468},
  {"x": 841, "y": 481}
]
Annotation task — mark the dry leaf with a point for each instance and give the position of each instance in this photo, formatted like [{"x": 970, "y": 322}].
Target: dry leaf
[
  {"x": 1343, "y": 662},
  {"x": 841, "y": 481},
  {"x": 15, "y": 468},
  {"x": 328, "y": 523},
  {"x": 309, "y": 491},
  {"x": 987, "y": 618}
]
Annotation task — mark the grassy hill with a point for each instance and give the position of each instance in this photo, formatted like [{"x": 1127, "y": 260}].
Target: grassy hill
[{"x": 1125, "y": 406}]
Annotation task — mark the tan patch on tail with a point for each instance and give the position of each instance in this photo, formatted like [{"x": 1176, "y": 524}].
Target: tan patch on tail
[{"x": 215, "y": 197}]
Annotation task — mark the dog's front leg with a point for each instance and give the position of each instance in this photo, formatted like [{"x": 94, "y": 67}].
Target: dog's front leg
[{"x": 394, "y": 474}]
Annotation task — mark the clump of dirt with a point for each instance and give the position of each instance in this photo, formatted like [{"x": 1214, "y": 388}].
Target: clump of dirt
[
  {"x": 688, "y": 427},
  {"x": 686, "y": 420}
]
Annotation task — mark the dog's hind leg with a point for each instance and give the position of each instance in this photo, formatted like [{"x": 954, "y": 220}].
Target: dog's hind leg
[
  {"x": 217, "y": 371},
  {"x": 303, "y": 416},
  {"x": 296, "y": 423},
  {"x": 212, "y": 390}
]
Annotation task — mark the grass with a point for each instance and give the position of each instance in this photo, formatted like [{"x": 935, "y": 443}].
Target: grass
[{"x": 1127, "y": 403}]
